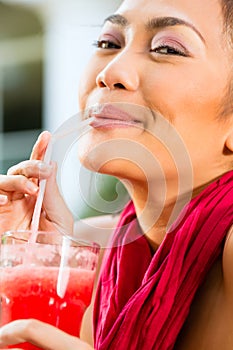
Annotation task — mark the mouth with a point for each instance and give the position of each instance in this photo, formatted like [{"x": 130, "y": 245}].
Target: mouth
[{"x": 110, "y": 116}]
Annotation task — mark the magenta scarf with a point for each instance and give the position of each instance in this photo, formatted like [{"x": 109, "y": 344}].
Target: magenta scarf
[{"x": 143, "y": 299}]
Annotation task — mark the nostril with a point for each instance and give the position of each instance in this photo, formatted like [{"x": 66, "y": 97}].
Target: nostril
[
  {"x": 101, "y": 84},
  {"x": 119, "y": 86}
]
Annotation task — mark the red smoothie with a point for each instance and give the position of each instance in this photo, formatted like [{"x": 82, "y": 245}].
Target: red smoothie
[{"x": 31, "y": 292}]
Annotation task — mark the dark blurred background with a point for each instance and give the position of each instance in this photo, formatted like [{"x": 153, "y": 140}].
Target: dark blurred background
[{"x": 21, "y": 82}]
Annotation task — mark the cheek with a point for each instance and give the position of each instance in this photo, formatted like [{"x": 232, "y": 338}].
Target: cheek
[
  {"x": 192, "y": 102},
  {"x": 190, "y": 92}
]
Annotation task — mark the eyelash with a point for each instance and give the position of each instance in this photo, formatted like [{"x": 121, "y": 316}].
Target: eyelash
[
  {"x": 108, "y": 45},
  {"x": 173, "y": 51},
  {"x": 105, "y": 44}
]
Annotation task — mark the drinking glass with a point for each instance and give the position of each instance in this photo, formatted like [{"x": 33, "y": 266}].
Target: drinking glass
[{"x": 50, "y": 279}]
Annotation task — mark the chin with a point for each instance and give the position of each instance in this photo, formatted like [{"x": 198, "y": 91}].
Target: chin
[{"x": 122, "y": 169}]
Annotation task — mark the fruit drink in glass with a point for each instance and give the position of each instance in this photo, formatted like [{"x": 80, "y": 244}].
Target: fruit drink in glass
[{"x": 50, "y": 280}]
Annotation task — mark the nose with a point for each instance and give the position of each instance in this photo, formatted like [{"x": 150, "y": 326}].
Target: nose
[{"x": 119, "y": 73}]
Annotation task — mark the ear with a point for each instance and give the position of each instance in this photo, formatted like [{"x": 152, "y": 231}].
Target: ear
[{"x": 229, "y": 142}]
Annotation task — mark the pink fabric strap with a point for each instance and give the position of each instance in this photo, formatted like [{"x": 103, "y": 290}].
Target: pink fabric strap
[{"x": 143, "y": 299}]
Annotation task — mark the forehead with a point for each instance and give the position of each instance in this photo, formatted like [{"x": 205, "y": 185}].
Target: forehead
[
  {"x": 205, "y": 14},
  {"x": 192, "y": 7}
]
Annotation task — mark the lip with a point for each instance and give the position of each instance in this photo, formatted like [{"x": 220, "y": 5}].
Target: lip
[{"x": 109, "y": 116}]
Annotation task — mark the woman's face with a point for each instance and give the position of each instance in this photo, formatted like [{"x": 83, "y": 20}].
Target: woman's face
[{"x": 169, "y": 57}]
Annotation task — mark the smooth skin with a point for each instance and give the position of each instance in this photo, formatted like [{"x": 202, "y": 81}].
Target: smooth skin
[{"x": 182, "y": 72}]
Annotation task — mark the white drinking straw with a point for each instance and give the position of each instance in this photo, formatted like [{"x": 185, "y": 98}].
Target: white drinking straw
[
  {"x": 64, "y": 270},
  {"x": 40, "y": 196}
]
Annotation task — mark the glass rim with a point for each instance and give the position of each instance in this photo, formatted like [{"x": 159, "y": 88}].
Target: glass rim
[{"x": 77, "y": 240}]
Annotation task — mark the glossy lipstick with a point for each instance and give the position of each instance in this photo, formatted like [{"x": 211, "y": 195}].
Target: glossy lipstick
[{"x": 110, "y": 116}]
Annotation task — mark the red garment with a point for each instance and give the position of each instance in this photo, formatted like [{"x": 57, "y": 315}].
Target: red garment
[{"x": 143, "y": 299}]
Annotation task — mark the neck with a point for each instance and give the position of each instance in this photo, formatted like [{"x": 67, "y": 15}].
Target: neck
[
  {"x": 155, "y": 219},
  {"x": 159, "y": 206},
  {"x": 157, "y": 209}
]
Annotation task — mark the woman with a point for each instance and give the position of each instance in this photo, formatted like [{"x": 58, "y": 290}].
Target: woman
[{"x": 170, "y": 64}]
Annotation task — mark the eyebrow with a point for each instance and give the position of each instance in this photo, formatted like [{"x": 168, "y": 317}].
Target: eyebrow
[
  {"x": 155, "y": 23},
  {"x": 117, "y": 19}
]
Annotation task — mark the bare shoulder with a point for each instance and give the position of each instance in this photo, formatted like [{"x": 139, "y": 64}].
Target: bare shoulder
[
  {"x": 97, "y": 228},
  {"x": 227, "y": 262}
]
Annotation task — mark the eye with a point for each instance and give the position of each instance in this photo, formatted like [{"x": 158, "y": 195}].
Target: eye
[
  {"x": 169, "y": 50},
  {"x": 106, "y": 44}
]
